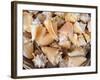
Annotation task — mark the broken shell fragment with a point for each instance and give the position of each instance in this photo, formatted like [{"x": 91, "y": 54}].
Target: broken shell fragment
[
  {"x": 53, "y": 54},
  {"x": 40, "y": 61},
  {"x": 78, "y": 52},
  {"x": 76, "y": 61},
  {"x": 28, "y": 50},
  {"x": 52, "y": 28}
]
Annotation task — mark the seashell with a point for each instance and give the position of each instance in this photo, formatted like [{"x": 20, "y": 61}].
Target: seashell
[
  {"x": 35, "y": 26},
  {"x": 89, "y": 26},
  {"x": 41, "y": 17},
  {"x": 67, "y": 29},
  {"x": 53, "y": 54},
  {"x": 77, "y": 28},
  {"x": 74, "y": 40},
  {"x": 59, "y": 21},
  {"x": 81, "y": 40},
  {"x": 40, "y": 61},
  {"x": 87, "y": 37},
  {"x": 72, "y": 17},
  {"x": 28, "y": 50},
  {"x": 60, "y": 14},
  {"x": 83, "y": 26},
  {"x": 84, "y": 17},
  {"x": 63, "y": 41},
  {"x": 52, "y": 28},
  {"x": 76, "y": 61},
  {"x": 47, "y": 14},
  {"x": 45, "y": 40},
  {"x": 77, "y": 52},
  {"x": 27, "y": 21}
]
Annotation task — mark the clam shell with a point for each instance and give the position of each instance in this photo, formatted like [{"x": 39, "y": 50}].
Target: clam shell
[
  {"x": 28, "y": 50},
  {"x": 76, "y": 61},
  {"x": 52, "y": 54},
  {"x": 52, "y": 28}
]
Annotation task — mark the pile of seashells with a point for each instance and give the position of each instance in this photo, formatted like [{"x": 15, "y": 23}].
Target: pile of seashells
[{"x": 56, "y": 39}]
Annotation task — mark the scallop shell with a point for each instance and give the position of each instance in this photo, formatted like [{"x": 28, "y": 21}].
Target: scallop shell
[
  {"x": 28, "y": 50},
  {"x": 76, "y": 61},
  {"x": 52, "y": 54},
  {"x": 52, "y": 28}
]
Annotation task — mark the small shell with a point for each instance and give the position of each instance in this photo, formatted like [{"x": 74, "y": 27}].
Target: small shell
[
  {"x": 47, "y": 14},
  {"x": 78, "y": 52},
  {"x": 76, "y": 61},
  {"x": 41, "y": 17},
  {"x": 52, "y": 28},
  {"x": 67, "y": 29},
  {"x": 84, "y": 17},
  {"x": 83, "y": 26},
  {"x": 52, "y": 54},
  {"x": 72, "y": 17},
  {"x": 40, "y": 61},
  {"x": 28, "y": 50},
  {"x": 27, "y": 21}
]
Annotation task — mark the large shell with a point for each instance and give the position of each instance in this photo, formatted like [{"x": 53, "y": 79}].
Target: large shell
[
  {"x": 52, "y": 54},
  {"x": 27, "y": 21},
  {"x": 52, "y": 28},
  {"x": 76, "y": 61},
  {"x": 28, "y": 50}
]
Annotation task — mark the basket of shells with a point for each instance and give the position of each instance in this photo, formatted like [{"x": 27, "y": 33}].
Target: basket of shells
[{"x": 56, "y": 39}]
